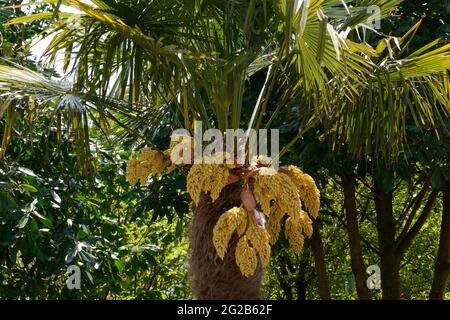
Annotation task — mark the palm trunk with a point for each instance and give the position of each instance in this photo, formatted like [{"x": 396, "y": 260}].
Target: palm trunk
[
  {"x": 442, "y": 268},
  {"x": 319, "y": 263},
  {"x": 212, "y": 278},
  {"x": 357, "y": 261},
  {"x": 390, "y": 265}
]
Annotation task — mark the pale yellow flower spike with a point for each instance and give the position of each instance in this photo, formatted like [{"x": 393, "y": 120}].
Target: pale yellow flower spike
[
  {"x": 242, "y": 227},
  {"x": 293, "y": 232},
  {"x": 307, "y": 189},
  {"x": 150, "y": 162},
  {"x": 264, "y": 201},
  {"x": 279, "y": 187},
  {"x": 206, "y": 178},
  {"x": 274, "y": 224},
  {"x": 132, "y": 171},
  {"x": 224, "y": 228},
  {"x": 259, "y": 238},
  {"x": 306, "y": 224},
  {"x": 246, "y": 257}
]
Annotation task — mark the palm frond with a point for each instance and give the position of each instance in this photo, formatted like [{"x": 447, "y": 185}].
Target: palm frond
[
  {"x": 56, "y": 98},
  {"x": 401, "y": 91}
]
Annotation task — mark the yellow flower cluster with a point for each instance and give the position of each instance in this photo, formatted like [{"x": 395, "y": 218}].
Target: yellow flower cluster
[
  {"x": 225, "y": 226},
  {"x": 286, "y": 191},
  {"x": 271, "y": 185},
  {"x": 254, "y": 239},
  {"x": 259, "y": 238},
  {"x": 278, "y": 194},
  {"x": 150, "y": 162},
  {"x": 243, "y": 226},
  {"x": 306, "y": 224},
  {"x": 206, "y": 178},
  {"x": 295, "y": 225},
  {"x": 274, "y": 224},
  {"x": 246, "y": 257},
  {"x": 293, "y": 233},
  {"x": 134, "y": 173},
  {"x": 307, "y": 190}
]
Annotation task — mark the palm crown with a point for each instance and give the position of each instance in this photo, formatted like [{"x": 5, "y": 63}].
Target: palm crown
[{"x": 133, "y": 62}]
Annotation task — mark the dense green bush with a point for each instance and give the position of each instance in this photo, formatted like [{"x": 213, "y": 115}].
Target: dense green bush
[{"x": 52, "y": 217}]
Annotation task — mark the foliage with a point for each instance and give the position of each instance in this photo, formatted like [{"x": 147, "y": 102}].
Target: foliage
[{"x": 51, "y": 217}]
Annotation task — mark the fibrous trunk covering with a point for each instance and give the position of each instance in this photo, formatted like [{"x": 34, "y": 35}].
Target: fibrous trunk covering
[{"x": 212, "y": 278}]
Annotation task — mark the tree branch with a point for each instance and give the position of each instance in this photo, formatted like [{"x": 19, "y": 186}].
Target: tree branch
[
  {"x": 410, "y": 236},
  {"x": 415, "y": 204},
  {"x": 370, "y": 245}
]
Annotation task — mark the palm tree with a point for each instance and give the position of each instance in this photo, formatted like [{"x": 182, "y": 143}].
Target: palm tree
[
  {"x": 133, "y": 63},
  {"x": 405, "y": 88}
]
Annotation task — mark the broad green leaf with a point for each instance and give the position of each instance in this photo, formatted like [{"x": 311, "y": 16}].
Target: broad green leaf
[
  {"x": 27, "y": 172},
  {"x": 46, "y": 221},
  {"x": 55, "y": 196},
  {"x": 23, "y": 222},
  {"x": 29, "y": 188},
  {"x": 118, "y": 265}
]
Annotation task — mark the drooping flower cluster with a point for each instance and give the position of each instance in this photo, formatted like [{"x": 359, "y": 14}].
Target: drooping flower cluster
[
  {"x": 271, "y": 185},
  {"x": 307, "y": 190},
  {"x": 274, "y": 224},
  {"x": 207, "y": 178},
  {"x": 150, "y": 162},
  {"x": 228, "y": 223},
  {"x": 259, "y": 238},
  {"x": 253, "y": 239},
  {"x": 279, "y": 194},
  {"x": 246, "y": 257}
]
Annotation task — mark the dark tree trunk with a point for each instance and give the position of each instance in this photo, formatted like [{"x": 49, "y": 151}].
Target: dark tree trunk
[
  {"x": 283, "y": 276},
  {"x": 442, "y": 268},
  {"x": 301, "y": 283},
  {"x": 319, "y": 263},
  {"x": 212, "y": 278},
  {"x": 390, "y": 265},
  {"x": 357, "y": 261}
]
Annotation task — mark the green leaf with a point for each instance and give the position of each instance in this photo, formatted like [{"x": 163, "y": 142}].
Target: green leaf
[
  {"x": 89, "y": 275},
  {"x": 23, "y": 222},
  {"x": 436, "y": 181},
  {"x": 46, "y": 221},
  {"x": 29, "y": 188},
  {"x": 5, "y": 185},
  {"x": 35, "y": 17},
  {"x": 27, "y": 172},
  {"x": 118, "y": 265},
  {"x": 34, "y": 225},
  {"x": 55, "y": 196}
]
